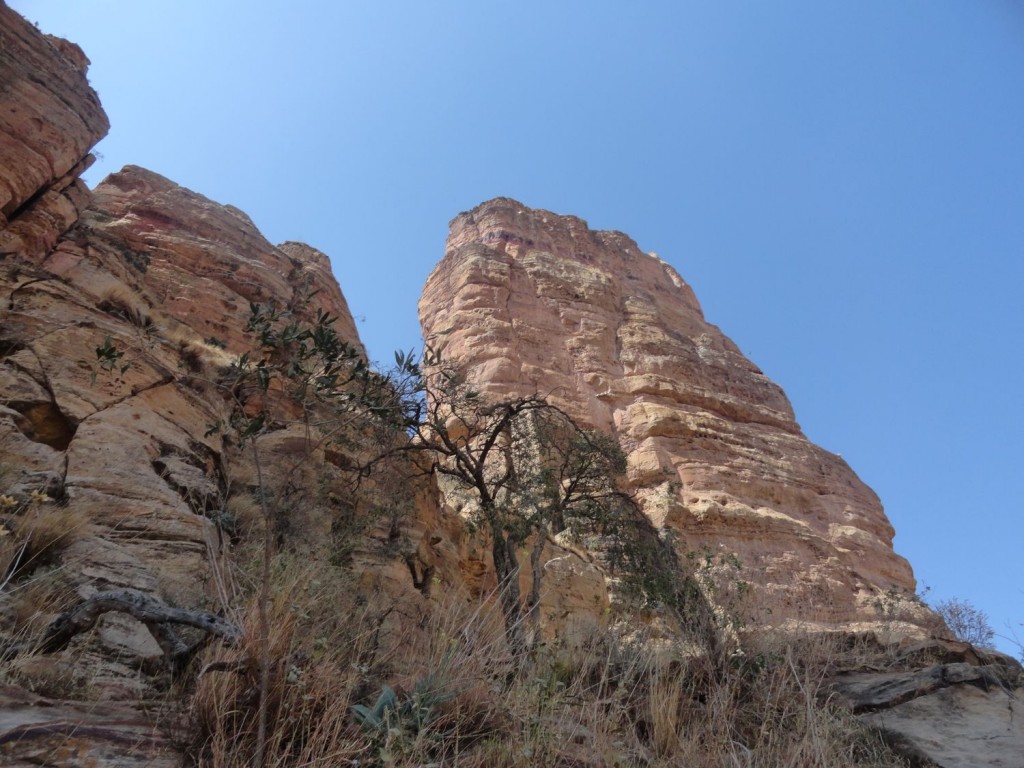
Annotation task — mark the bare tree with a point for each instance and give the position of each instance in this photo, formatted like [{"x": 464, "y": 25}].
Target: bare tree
[
  {"x": 967, "y": 622},
  {"x": 530, "y": 471}
]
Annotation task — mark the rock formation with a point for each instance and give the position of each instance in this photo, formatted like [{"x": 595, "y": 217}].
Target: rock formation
[
  {"x": 944, "y": 703},
  {"x": 124, "y": 308},
  {"x": 50, "y": 121},
  {"x": 528, "y": 301},
  {"x": 120, "y": 307}
]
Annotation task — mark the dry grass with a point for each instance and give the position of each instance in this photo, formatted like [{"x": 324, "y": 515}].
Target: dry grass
[
  {"x": 597, "y": 695},
  {"x": 28, "y": 606},
  {"x": 318, "y": 642},
  {"x": 245, "y": 514},
  {"x": 200, "y": 355},
  {"x": 124, "y": 303},
  {"x": 35, "y": 602},
  {"x": 34, "y": 590},
  {"x": 36, "y": 535},
  {"x": 593, "y": 698}
]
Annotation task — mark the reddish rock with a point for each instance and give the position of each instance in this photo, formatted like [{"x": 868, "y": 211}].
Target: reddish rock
[
  {"x": 144, "y": 236},
  {"x": 164, "y": 277},
  {"x": 532, "y": 302},
  {"x": 49, "y": 120}
]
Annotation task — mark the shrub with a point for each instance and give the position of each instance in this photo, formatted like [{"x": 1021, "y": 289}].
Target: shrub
[{"x": 967, "y": 622}]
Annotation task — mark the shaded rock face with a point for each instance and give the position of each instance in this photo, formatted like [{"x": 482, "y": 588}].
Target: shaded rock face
[
  {"x": 527, "y": 301},
  {"x": 942, "y": 703},
  {"x": 35, "y": 731}
]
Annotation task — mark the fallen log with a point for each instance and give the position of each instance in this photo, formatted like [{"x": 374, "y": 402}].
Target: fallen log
[{"x": 150, "y": 610}]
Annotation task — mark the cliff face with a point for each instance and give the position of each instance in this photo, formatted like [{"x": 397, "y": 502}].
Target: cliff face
[
  {"x": 532, "y": 302},
  {"x": 50, "y": 120},
  {"x": 112, "y": 458},
  {"x": 163, "y": 277},
  {"x": 123, "y": 310}
]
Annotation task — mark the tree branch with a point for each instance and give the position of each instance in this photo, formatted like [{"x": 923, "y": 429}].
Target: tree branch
[{"x": 147, "y": 609}]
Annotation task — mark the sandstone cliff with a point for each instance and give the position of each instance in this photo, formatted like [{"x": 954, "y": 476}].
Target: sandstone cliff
[
  {"x": 532, "y": 302},
  {"x": 50, "y": 121},
  {"x": 123, "y": 310}
]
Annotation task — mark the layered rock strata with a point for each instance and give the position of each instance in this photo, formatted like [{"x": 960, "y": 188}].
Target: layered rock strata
[
  {"x": 942, "y": 703},
  {"x": 50, "y": 120},
  {"x": 120, "y": 309},
  {"x": 163, "y": 277},
  {"x": 527, "y": 301}
]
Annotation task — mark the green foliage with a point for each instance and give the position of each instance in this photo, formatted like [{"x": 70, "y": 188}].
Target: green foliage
[
  {"x": 304, "y": 363},
  {"x": 532, "y": 473},
  {"x": 410, "y": 714},
  {"x": 108, "y": 358},
  {"x": 376, "y": 718}
]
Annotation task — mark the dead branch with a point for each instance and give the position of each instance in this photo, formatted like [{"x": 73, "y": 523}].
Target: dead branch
[{"x": 147, "y": 609}]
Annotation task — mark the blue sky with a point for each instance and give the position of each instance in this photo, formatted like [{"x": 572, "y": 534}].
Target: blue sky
[{"x": 842, "y": 184}]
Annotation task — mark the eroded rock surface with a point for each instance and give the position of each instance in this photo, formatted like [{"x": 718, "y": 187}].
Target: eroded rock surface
[
  {"x": 528, "y": 301},
  {"x": 36, "y": 731},
  {"x": 944, "y": 704},
  {"x": 50, "y": 120},
  {"x": 120, "y": 309},
  {"x": 163, "y": 277},
  {"x": 122, "y": 306}
]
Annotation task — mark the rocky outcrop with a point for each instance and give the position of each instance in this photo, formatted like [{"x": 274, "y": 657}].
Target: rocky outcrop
[
  {"x": 122, "y": 311},
  {"x": 144, "y": 236},
  {"x": 942, "y": 703},
  {"x": 36, "y": 731},
  {"x": 527, "y": 301},
  {"x": 121, "y": 308},
  {"x": 50, "y": 120},
  {"x": 126, "y": 441}
]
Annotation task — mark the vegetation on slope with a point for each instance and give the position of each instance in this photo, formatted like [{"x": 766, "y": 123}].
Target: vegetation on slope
[{"x": 314, "y": 664}]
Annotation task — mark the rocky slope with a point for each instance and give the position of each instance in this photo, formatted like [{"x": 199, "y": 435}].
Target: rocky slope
[{"x": 121, "y": 307}]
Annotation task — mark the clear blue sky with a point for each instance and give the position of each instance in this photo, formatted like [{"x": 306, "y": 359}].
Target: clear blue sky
[{"x": 841, "y": 182}]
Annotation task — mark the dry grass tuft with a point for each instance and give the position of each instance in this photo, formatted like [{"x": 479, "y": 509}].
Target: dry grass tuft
[
  {"x": 125, "y": 304},
  {"x": 245, "y": 514},
  {"x": 35, "y": 602},
  {"x": 28, "y": 606},
  {"x": 314, "y": 647},
  {"x": 36, "y": 534}
]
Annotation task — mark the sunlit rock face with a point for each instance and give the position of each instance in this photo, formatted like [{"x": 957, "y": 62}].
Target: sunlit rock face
[
  {"x": 133, "y": 478},
  {"x": 50, "y": 120},
  {"x": 533, "y": 302},
  {"x": 158, "y": 275},
  {"x": 199, "y": 262}
]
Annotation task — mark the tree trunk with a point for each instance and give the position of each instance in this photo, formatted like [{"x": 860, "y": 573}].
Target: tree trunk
[
  {"x": 537, "y": 570},
  {"x": 506, "y": 566}
]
